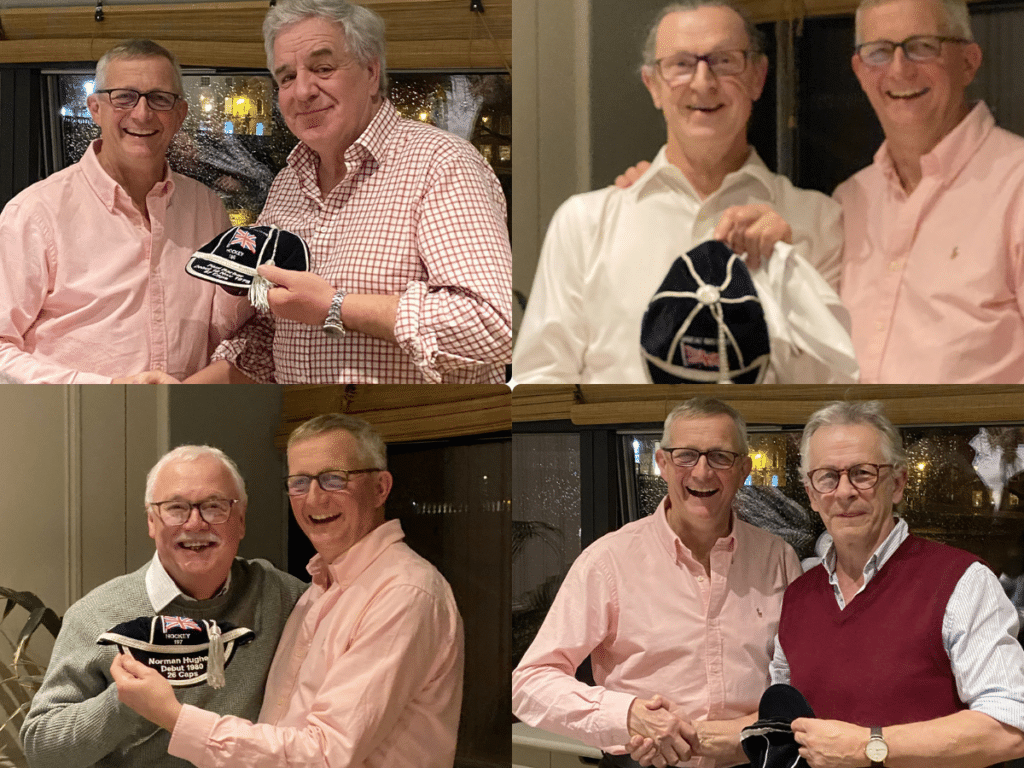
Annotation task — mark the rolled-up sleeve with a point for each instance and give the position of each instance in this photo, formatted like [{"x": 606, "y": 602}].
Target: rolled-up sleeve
[
  {"x": 460, "y": 315},
  {"x": 979, "y": 632}
]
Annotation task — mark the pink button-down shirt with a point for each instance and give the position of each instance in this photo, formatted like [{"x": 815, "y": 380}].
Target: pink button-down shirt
[
  {"x": 653, "y": 621},
  {"x": 90, "y": 292},
  {"x": 934, "y": 280},
  {"x": 368, "y": 672}
]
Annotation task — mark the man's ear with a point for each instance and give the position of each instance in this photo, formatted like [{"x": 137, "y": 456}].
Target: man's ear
[{"x": 648, "y": 75}]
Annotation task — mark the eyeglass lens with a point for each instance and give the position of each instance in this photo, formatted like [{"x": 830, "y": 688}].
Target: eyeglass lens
[
  {"x": 299, "y": 485},
  {"x": 178, "y": 512},
  {"x": 126, "y": 98},
  {"x": 688, "y": 457},
  {"x": 683, "y": 66},
  {"x": 863, "y": 476},
  {"x": 916, "y": 48}
]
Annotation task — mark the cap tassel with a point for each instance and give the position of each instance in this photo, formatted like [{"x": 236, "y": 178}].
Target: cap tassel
[
  {"x": 260, "y": 286},
  {"x": 215, "y": 667}
]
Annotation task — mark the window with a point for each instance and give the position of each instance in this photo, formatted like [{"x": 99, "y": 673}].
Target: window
[{"x": 235, "y": 141}]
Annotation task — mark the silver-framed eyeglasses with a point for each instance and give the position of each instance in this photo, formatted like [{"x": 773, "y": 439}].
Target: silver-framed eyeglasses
[
  {"x": 328, "y": 480},
  {"x": 688, "y": 457},
  {"x": 862, "y": 476},
  {"x": 879, "y": 53},
  {"x": 177, "y": 511},
  {"x": 680, "y": 68},
  {"x": 127, "y": 98}
]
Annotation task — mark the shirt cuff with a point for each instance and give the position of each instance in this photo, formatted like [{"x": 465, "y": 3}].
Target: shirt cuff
[
  {"x": 191, "y": 734},
  {"x": 614, "y": 717},
  {"x": 423, "y": 349}
]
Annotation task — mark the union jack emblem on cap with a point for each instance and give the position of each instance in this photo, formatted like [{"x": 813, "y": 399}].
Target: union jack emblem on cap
[
  {"x": 178, "y": 622},
  {"x": 245, "y": 239}
]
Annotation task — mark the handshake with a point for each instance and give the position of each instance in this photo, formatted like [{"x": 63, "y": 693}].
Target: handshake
[{"x": 661, "y": 736}]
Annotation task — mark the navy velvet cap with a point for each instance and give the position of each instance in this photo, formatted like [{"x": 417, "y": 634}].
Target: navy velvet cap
[{"x": 705, "y": 323}]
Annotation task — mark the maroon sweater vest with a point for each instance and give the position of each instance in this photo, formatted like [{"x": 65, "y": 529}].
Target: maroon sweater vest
[{"x": 881, "y": 660}]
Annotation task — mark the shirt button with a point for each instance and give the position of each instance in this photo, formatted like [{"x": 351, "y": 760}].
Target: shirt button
[
  {"x": 894, "y": 266},
  {"x": 700, "y": 578},
  {"x": 879, "y": 325}
]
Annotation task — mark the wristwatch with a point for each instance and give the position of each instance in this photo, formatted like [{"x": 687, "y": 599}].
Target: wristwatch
[
  {"x": 876, "y": 750},
  {"x": 333, "y": 325}
]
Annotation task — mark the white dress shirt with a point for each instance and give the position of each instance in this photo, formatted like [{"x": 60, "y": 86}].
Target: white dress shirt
[
  {"x": 979, "y": 633},
  {"x": 607, "y": 251}
]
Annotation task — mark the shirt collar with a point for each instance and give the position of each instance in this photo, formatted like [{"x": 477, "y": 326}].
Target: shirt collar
[
  {"x": 372, "y": 143},
  {"x": 662, "y": 175},
  {"x": 675, "y": 546},
  {"x": 357, "y": 558},
  {"x": 162, "y": 589},
  {"x": 951, "y": 154},
  {"x": 878, "y": 558},
  {"x": 110, "y": 193}
]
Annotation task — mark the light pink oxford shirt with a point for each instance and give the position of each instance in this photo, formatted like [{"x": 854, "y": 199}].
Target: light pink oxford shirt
[
  {"x": 654, "y": 622},
  {"x": 368, "y": 672},
  {"x": 89, "y": 292},
  {"x": 934, "y": 281}
]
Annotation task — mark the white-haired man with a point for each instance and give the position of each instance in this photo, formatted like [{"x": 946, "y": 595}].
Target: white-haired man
[
  {"x": 195, "y": 502},
  {"x": 410, "y": 275},
  {"x": 678, "y": 612},
  {"x": 93, "y": 287},
  {"x": 607, "y": 252},
  {"x": 905, "y": 649},
  {"x": 369, "y": 670}
]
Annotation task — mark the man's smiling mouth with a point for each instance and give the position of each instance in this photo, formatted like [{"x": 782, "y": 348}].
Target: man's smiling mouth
[
  {"x": 906, "y": 95},
  {"x": 702, "y": 494}
]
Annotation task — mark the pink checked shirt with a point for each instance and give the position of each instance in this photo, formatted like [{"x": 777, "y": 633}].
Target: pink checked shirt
[
  {"x": 419, "y": 214},
  {"x": 654, "y": 622},
  {"x": 89, "y": 292},
  {"x": 368, "y": 673},
  {"x": 934, "y": 281}
]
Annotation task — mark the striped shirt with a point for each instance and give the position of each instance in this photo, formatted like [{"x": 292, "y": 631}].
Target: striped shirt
[{"x": 979, "y": 633}]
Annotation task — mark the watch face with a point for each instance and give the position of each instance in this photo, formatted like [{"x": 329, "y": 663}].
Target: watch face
[
  {"x": 337, "y": 331},
  {"x": 876, "y": 750}
]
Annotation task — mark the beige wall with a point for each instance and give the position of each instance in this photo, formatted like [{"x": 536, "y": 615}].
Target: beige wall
[
  {"x": 74, "y": 461},
  {"x": 550, "y": 114}
]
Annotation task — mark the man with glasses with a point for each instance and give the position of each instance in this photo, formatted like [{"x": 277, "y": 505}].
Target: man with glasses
[
  {"x": 195, "y": 505},
  {"x": 607, "y": 251},
  {"x": 369, "y": 669},
  {"x": 678, "y": 612},
  {"x": 93, "y": 287},
  {"x": 934, "y": 260},
  {"x": 905, "y": 649}
]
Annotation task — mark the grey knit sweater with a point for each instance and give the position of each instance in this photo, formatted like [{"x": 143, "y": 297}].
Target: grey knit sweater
[{"x": 76, "y": 719}]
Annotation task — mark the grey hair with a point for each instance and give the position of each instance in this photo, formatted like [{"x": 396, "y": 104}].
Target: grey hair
[
  {"x": 138, "y": 49},
  {"x": 870, "y": 413},
  {"x": 700, "y": 407},
  {"x": 958, "y": 18},
  {"x": 371, "y": 446},
  {"x": 363, "y": 29},
  {"x": 651, "y": 44},
  {"x": 192, "y": 453}
]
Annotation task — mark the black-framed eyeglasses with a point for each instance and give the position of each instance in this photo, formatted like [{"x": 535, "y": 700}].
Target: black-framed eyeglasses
[
  {"x": 716, "y": 457},
  {"x": 127, "y": 98},
  {"x": 879, "y": 53},
  {"x": 177, "y": 511},
  {"x": 680, "y": 68},
  {"x": 328, "y": 480},
  {"x": 863, "y": 476}
]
